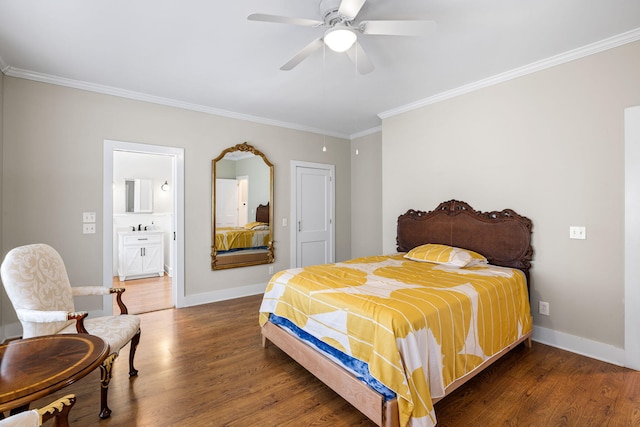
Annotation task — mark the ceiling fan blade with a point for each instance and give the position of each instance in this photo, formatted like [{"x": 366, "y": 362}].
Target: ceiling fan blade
[
  {"x": 398, "y": 28},
  {"x": 302, "y": 54},
  {"x": 360, "y": 58},
  {"x": 284, "y": 20},
  {"x": 350, "y": 8}
]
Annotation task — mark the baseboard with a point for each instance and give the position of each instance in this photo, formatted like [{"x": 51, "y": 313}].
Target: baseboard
[
  {"x": 225, "y": 294},
  {"x": 11, "y": 331},
  {"x": 593, "y": 349}
]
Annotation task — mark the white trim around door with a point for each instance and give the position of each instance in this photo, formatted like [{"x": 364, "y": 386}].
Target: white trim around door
[
  {"x": 330, "y": 169},
  {"x": 632, "y": 238},
  {"x": 177, "y": 154}
]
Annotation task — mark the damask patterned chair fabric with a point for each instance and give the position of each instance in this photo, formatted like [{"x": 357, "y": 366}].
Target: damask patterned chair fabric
[{"x": 36, "y": 281}]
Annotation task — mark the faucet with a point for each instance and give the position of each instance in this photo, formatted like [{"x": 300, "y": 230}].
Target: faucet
[
  {"x": 139, "y": 227},
  {"x": 133, "y": 228}
]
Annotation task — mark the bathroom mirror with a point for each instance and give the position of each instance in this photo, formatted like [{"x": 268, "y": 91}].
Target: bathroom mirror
[
  {"x": 242, "y": 208},
  {"x": 138, "y": 195}
]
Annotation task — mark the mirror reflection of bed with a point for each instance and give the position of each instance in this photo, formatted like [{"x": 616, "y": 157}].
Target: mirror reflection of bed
[
  {"x": 246, "y": 237},
  {"x": 242, "y": 206}
]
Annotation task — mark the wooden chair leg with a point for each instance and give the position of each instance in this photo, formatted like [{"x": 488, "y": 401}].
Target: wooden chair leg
[
  {"x": 105, "y": 378},
  {"x": 132, "y": 353}
]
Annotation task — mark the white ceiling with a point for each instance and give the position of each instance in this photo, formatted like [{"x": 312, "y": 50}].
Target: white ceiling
[{"x": 205, "y": 54}]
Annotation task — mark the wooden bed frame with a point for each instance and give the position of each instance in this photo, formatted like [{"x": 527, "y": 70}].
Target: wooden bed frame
[
  {"x": 262, "y": 213},
  {"x": 503, "y": 237}
]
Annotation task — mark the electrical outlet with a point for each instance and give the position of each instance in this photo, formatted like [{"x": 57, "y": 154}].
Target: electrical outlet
[
  {"x": 543, "y": 308},
  {"x": 89, "y": 217},
  {"x": 576, "y": 232},
  {"x": 88, "y": 229}
]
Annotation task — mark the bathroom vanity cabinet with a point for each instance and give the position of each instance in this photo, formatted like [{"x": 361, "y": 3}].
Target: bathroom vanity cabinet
[{"x": 140, "y": 254}]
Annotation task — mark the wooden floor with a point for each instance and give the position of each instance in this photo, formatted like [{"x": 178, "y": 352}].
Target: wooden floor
[
  {"x": 144, "y": 295},
  {"x": 204, "y": 366}
]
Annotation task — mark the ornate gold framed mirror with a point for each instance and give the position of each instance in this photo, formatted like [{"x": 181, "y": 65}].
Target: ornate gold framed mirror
[{"x": 242, "y": 208}]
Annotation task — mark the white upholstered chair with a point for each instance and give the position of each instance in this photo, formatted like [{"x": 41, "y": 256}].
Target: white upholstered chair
[
  {"x": 37, "y": 284},
  {"x": 58, "y": 411}
]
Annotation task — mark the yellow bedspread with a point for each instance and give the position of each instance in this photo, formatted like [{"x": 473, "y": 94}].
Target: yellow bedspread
[
  {"x": 240, "y": 238},
  {"x": 419, "y": 326}
]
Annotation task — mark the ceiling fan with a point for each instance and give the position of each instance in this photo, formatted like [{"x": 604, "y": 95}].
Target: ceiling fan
[{"x": 339, "y": 19}]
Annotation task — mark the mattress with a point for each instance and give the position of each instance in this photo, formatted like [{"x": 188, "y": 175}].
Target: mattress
[{"x": 417, "y": 326}]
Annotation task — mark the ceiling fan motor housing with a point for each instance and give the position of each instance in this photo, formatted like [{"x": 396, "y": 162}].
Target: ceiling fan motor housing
[{"x": 331, "y": 15}]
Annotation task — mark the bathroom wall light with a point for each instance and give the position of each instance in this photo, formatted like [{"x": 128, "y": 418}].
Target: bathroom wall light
[{"x": 165, "y": 186}]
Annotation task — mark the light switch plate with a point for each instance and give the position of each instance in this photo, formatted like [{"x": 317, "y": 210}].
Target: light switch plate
[
  {"x": 88, "y": 217},
  {"x": 576, "y": 232}
]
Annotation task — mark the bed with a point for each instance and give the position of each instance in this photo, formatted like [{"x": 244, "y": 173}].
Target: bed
[
  {"x": 253, "y": 235},
  {"x": 394, "y": 335}
]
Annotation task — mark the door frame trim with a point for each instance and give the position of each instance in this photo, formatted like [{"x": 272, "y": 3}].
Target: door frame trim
[
  {"x": 178, "y": 291},
  {"x": 632, "y": 239},
  {"x": 295, "y": 164}
]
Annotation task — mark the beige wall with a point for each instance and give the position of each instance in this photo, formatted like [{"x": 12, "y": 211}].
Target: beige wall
[
  {"x": 549, "y": 145},
  {"x": 366, "y": 197},
  {"x": 52, "y": 172}
]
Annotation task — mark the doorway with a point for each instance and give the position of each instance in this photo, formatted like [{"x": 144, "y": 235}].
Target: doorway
[
  {"x": 312, "y": 213},
  {"x": 170, "y": 224}
]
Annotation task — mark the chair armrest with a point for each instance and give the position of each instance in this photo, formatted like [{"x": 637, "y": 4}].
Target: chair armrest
[
  {"x": 90, "y": 290},
  {"x": 59, "y": 410},
  {"x": 101, "y": 290},
  {"x": 119, "y": 292},
  {"x": 38, "y": 316},
  {"x": 79, "y": 318}
]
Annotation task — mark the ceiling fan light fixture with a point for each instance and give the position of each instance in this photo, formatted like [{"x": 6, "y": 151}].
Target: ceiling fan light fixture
[{"x": 339, "y": 38}]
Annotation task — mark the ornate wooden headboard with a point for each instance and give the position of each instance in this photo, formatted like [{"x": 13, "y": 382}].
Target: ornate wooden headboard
[
  {"x": 262, "y": 213},
  {"x": 503, "y": 237}
]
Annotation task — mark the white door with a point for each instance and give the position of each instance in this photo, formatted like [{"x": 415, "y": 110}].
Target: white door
[
  {"x": 152, "y": 260},
  {"x": 227, "y": 202},
  {"x": 313, "y": 213},
  {"x": 132, "y": 261},
  {"x": 243, "y": 201}
]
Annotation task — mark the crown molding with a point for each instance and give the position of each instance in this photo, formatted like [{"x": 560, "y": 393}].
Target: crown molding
[
  {"x": 365, "y": 132},
  {"x": 138, "y": 96},
  {"x": 606, "y": 44}
]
